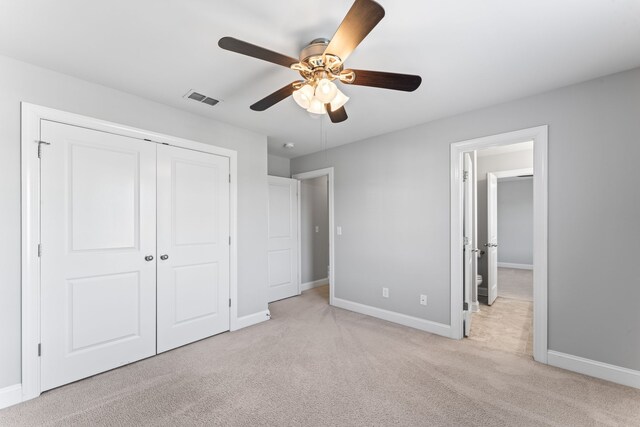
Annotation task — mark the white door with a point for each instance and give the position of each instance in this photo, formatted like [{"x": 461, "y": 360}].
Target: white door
[
  {"x": 469, "y": 243},
  {"x": 98, "y": 210},
  {"x": 492, "y": 237},
  {"x": 193, "y": 246},
  {"x": 283, "y": 238}
]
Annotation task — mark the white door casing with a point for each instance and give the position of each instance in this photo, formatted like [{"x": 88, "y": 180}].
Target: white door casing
[
  {"x": 469, "y": 243},
  {"x": 492, "y": 238},
  {"x": 97, "y": 226},
  {"x": 283, "y": 238},
  {"x": 193, "y": 246}
]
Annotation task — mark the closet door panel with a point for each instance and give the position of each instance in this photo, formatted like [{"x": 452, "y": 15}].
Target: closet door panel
[
  {"x": 98, "y": 214},
  {"x": 193, "y": 246}
]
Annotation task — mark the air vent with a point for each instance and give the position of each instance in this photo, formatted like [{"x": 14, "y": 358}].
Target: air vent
[
  {"x": 210, "y": 101},
  {"x": 201, "y": 98}
]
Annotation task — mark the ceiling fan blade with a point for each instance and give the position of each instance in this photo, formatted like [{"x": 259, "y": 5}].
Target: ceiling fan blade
[
  {"x": 274, "y": 98},
  {"x": 405, "y": 82},
  {"x": 244, "y": 48},
  {"x": 363, "y": 16},
  {"x": 337, "y": 116}
]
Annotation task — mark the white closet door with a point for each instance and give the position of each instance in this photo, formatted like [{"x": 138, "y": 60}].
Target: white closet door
[
  {"x": 98, "y": 212},
  {"x": 193, "y": 246},
  {"x": 283, "y": 238}
]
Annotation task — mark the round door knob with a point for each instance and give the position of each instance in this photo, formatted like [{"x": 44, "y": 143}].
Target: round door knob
[
  {"x": 148, "y": 258},
  {"x": 164, "y": 257}
]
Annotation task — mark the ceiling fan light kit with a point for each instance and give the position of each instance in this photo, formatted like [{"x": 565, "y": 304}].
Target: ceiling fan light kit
[{"x": 321, "y": 64}]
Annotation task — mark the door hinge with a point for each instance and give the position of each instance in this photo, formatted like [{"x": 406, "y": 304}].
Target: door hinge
[
  {"x": 39, "y": 250},
  {"x": 40, "y": 147},
  {"x": 39, "y": 349},
  {"x": 229, "y": 302},
  {"x": 465, "y": 176},
  {"x": 466, "y": 241}
]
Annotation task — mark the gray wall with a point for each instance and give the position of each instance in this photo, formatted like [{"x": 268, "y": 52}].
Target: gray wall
[
  {"x": 494, "y": 163},
  {"x": 392, "y": 200},
  {"x": 22, "y": 82},
  {"x": 279, "y": 166},
  {"x": 515, "y": 221},
  {"x": 314, "y": 211}
]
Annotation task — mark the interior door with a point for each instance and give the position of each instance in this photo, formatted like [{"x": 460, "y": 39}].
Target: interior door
[
  {"x": 469, "y": 244},
  {"x": 193, "y": 246},
  {"x": 492, "y": 237},
  {"x": 98, "y": 224},
  {"x": 283, "y": 238}
]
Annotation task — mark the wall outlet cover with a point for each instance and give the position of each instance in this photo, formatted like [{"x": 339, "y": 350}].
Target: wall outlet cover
[{"x": 385, "y": 292}]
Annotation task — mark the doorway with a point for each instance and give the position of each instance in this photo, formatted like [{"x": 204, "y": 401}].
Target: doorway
[
  {"x": 462, "y": 244},
  {"x": 315, "y": 231}
]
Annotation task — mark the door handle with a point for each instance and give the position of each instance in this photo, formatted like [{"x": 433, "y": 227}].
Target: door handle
[
  {"x": 491, "y": 245},
  {"x": 148, "y": 258},
  {"x": 164, "y": 257}
]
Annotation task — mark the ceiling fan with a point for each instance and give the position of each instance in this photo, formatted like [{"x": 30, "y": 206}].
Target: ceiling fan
[{"x": 322, "y": 62}]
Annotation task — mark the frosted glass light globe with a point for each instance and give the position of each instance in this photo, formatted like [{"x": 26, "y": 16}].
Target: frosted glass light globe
[
  {"x": 317, "y": 106},
  {"x": 326, "y": 91},
  {"x": 339, "y": 100},
  {"x": 303, "y": 96}
]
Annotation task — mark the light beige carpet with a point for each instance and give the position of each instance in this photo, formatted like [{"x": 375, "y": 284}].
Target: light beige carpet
[
  {"x": 506, "y": 325},
  {"x": 316, "y": 365},
  {"x": 515, "y": 283}
]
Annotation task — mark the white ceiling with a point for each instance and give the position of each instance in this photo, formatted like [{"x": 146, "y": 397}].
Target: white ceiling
[{"x": 469, "y": 53}]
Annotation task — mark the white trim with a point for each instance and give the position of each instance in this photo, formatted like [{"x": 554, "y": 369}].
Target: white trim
[
  {"x": 593, "y": 368},
  {"x": 10, "y": 395},
  {"x": 540, "y": 220},
  {"x": 515, "y": 265},
  {"x": 251, "y": 319},
  {"x": 332, "y": 265},
  {"x": 392, "y": 316},
  {"x": 513, "y": 173},
  {"x": 32, "y": 115},
  {"x": 314, "y": 284}
]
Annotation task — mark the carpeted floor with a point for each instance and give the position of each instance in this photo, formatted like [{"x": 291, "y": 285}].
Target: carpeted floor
[
  {"x": 317, "y": 365},
  {"x": 507, "y": 325},
  {"x": 515, "y": 283}
]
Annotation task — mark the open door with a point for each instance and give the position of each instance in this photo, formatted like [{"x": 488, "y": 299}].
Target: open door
[
  {"x": 283, "y": 238},
  {"x": 492, "y": 238},
  {"x": 469, "y": 243}
]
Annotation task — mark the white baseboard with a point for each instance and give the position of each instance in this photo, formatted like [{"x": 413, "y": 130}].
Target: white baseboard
[
  {"x": 251, "y": 319},
  {"x": 314, "y": 284},
  {"x": 392, "y": 316},
  {"x": 514, "y": 265},
  {"x": 10, "y": 395},
  {"x": 593, "y": 368},
  {"x": 475, "y": 307}
]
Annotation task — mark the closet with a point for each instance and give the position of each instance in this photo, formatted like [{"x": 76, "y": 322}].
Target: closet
[{"x": 135, "y": 250}]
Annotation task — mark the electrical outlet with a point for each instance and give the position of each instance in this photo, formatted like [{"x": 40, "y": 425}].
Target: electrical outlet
[
  {"x": 423, "y": 300},
  {"x": 385, "y": 292}
]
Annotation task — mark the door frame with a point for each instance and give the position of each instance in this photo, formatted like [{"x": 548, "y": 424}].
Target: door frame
[
  {"x": 539, "y": 136},
  {"x": 32, "y": 115},
  {"x": 328, "y": 172}
]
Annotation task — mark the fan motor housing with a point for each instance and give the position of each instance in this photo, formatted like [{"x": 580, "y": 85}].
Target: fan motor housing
[
  {"x": 315, "y": 48},
  {"x": 313, "y": 55}
]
